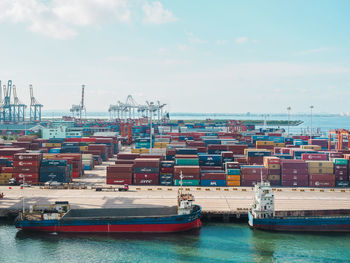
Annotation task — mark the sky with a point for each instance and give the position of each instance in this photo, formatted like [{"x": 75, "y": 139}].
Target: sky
[{"x": 225, "y": 56}]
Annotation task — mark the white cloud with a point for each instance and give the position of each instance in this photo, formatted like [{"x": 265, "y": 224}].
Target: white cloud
[
  {"x": 182, "y": 47},
  {"x": 61, "y": 18},
  {"x": 89, "y": 12},
  {"x": 156, "y": 14},
  {"x": 221, "y": 42},
  {"x": 193, "y": 39},
  {"x": 312, "y": 51},
  {"x": 161, "y": 51},
  {"x": 241, "y": 40}
]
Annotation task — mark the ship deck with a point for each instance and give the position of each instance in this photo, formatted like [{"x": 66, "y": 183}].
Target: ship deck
[{"x": 120, "y": 212}]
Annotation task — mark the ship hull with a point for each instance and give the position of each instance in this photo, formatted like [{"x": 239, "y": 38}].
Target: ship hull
[
  {"x": 163, "y": 224},
  {"x": 305, "y": 224}
]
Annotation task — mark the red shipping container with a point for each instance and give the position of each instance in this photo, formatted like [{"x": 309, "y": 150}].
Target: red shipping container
[
  {"x": 249, "y": 182},
  {"x": 167, "y": 170},
  {"x": 227, "y": 154},
  {"x": 28, "y": 181},
  {"x": 151, "y": 176},
  {"x": 26, "y": 163},
  {"x": 317, "y": 183},
  {"x": 124, "y": 161},
  {"x": 253, "y": 177},
  {"x": 255, "y": 160},
  {"x": 285, "y": 150},
  {"x": 288, "y": 177},
  {"x": 253, "y": 170},
  {"x": 196, "y": 143},
  {"x": 187, "y": 169},
  {"x": 7, "y": 169},
  {"x": 26, "y": 169},
  {"x": 27, "y": 157},
  {"x": 277, "y": 150},
  {"x": 202, "y": 149},
  {"x": 143, "y": 162},
  {"x": 119, "y": 175},
  {"x": 294, "y": 171},
  {"x": 187, "y": 176},
  {"x": 128, "y": 156},
  {"x": 151, "y": 156},
  {"x": 18, "y": 176},
  {"x": 322, "y": 177},
  {"x": 314, "y": 156},
  {"x": 120, "y": 168},
  {"x": 295, "y": 183},
  {"x": 293, "y": 164},
  {"x": 341, "y": 177},
  {"x": 272, "y": 160},
  {"x": 118, "y": 181},
  {"x": 146, "y": 181},
  {"x": 213, "y": 176},
  {"x": 336, "y": 155},
  {"x": 210, "y": 168}
]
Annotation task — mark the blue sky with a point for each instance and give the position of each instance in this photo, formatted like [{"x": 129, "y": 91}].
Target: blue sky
[{"x": 198, "y": 56}]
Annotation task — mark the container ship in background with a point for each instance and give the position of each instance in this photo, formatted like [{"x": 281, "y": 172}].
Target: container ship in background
[
  {"x": 262, "y": 215},
  {"x": 60, "y": 218}
]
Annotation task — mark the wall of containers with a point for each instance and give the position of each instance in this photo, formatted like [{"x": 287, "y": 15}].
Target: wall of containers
[
  {"x": 36, "y": 161},
  {"x": 212, "y": 158}
]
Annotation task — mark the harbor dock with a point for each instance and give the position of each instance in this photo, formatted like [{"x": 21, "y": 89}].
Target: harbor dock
[{"x": 218, "y": 203}]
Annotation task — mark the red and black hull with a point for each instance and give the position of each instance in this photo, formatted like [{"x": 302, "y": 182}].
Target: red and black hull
[{"x": 150, "y": 224}]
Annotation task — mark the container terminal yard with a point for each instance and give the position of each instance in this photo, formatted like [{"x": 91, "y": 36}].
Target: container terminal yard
[{"x": 85, "y": 161}]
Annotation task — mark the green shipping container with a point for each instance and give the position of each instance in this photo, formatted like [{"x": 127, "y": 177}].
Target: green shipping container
[
  {"x": 187, "y": 182},
  {"x": 233, "y": 171},
  {"x": 186, "y": 161},
  {"x": 340, "y": 161}
]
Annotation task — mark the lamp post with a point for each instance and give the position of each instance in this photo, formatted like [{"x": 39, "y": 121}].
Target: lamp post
[
  {"x": 311, "y": 107},
  {"x": 151, "y": 108},
  {"x": 288, "y": 109}
]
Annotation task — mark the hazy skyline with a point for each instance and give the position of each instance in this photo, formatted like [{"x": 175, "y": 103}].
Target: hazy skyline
[{"x": 196, "y": 56}]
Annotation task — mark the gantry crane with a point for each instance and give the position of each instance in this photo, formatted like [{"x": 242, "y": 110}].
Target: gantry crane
[
  {"x": 35, "y": 106},
  {"x": 77, "y": 110},
  {"x": 6, "y": 113},
  {"x": 18, "y": 108},
  {"x": 343, "y": 136},
  {"x": 131, "y": 108}
]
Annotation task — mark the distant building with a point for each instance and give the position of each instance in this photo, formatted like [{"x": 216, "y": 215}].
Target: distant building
[{"x": 60, "y": 132}]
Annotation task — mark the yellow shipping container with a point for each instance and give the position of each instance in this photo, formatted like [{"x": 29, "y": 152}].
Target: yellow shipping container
[
  {"x": 5, "y": 176},
  {"x": 53, "y": 145},
  {"x": 233, "y": 177},
  {"x": 320, "y": 164},
  {"x": 233, "y": 183},
  {"x": 274, "y": 177},
  {"x": 84, "y": 148},
  {"x": 279, "y": 144},
  {"x": 142, "y": 150},
  {"x": 273, "y": 166},
  {"x": 311, "y": 147},
  {"x": 264, "y": 143},
  {"x": 323, "y": 170},
  {"x": 49, "y": 155},
  {"x": 160, "y": 145},
  {"x": 4, "y": 181}
]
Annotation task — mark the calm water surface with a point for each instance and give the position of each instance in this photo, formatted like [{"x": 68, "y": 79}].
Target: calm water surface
[{"x": 213, "y": 243}]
